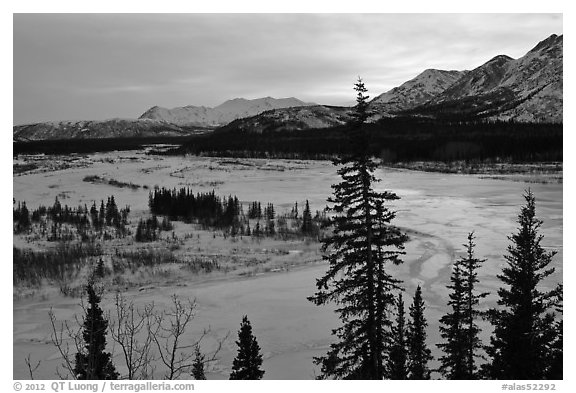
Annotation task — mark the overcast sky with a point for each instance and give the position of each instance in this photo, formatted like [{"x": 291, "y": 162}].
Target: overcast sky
[{"x": 99, "y": 66}]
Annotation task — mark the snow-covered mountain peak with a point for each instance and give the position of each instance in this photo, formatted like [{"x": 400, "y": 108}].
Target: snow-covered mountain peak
[
  {"x": 416, "y": 91},
  {"x": 222, "y": 114}
]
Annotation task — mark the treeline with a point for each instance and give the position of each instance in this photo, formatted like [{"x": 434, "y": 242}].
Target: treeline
[
  {"x": 395, "y": 140},
  {"x": 148, "y": 229},
  {"x": 207, "y": 208},
  {"x": 227, "y": 213},
  {"x": 67, "y": 146},
  {"x": 83, "y": 219}
]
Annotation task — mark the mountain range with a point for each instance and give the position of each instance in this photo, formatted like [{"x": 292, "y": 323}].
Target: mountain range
[
  {"x": 222, "y": 114},
  {"x": 527, "y": 89},
  {"x": 94, "y": 129}
]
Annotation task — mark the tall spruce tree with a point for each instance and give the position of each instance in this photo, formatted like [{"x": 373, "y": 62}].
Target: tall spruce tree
[
  {"x": 520, "y": 346},
  {"x": 94, "y": 362},
  {"x": 453, "y": 361},
  {"x": 398, "y": 357},
  {"x": 248, "y": 361},
  {"x": 458, "y": 327},
  {"x": 357, "y": 251},
  {"x": 472, "y": 298},
  {"x": 418, "y": 352}
]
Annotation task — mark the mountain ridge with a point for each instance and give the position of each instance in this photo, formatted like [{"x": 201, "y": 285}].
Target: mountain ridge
[
  {"x": 222, "y": 114},
  {"x": 94, "y": 129},
  {"x": 500, "y": 88},
  {"x": 415, "y": 91}
]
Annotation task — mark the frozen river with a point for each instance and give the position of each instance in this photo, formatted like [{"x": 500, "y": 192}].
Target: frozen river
[{"x": 438, "y": 209}]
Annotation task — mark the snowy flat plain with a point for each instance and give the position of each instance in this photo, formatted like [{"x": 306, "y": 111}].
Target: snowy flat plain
[{"x": 437, "y": 210}]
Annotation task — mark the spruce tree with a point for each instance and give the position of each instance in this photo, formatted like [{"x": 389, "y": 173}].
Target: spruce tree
[
  {"x": 357, "y": 251},
  {"x": 307, "y": 220},
  {"x": 23, "y": 217},
  {"x": 198, "y": 365},
  {"x": 398, "y": 357},
  {"x": 453, "y": 361},
  {"x": 270, "y": 213},
  {"x": 418, "y": 352},
  {"x": 94, "y": 215},
  {"x": 458, "y": 327},
  {"x": 102, "y": 214},
  {"x": 248, "y": 361},
  {"x": 555, "y": 369},
  {"x": 99, "y": 270},
  {"x": 472, "y": 298},
  {"x": 524, "y": 322},
  {"x": 94, "y": 362}
]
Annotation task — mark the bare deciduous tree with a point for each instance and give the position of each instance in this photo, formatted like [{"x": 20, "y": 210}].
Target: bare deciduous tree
[
  {"x": 171, "y": 324},
  {"x": 62, "y": 343},
  {"x": 168, "y": 337},
  {"x": 132, "y": 329}
]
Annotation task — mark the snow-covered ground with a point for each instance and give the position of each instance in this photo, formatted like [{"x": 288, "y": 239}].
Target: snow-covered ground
[{"x": 437, "y": 210}]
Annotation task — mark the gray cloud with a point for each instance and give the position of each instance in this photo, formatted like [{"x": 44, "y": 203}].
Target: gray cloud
[{"x": 95, "y": 66}]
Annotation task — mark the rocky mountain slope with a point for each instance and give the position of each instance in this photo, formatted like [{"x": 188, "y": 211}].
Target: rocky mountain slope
[
  {"x": 114, "y": 128},
  {"x": 526, "y": 89},
  {"x": 290, "y": 119},
  {"x": 222, "y": 114},
  {"x": 415, "y": 92}
]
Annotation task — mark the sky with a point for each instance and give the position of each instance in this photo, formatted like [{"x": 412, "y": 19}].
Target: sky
[{"x": 101, "y": 66}]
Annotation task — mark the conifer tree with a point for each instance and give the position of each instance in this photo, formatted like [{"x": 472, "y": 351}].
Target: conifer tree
[
  {"x": 102, "y": 214},
  {"x": 23, "y": 217},
  {"x": 453, "y": 361},
  {"x": 269, "y": 212},
  {"x": 418, "y": 352},
  {"x": 99, "y": 271},
  {"x": 555, "y": 370},
  {"x": 472, "y": 298},
  {"x": 458, "y": 327},
  {"x": 94, "y": 215},
  {"x": 357, "y": 251},
  {"x": 248, "y": 361},
  {"x": 307, "y": 219},
  {"x": 198, "y": 365},
  {"x": 94, "y": 362},
  {"x": 398, "y": 357},
  {"x": 524, "y": 322}
]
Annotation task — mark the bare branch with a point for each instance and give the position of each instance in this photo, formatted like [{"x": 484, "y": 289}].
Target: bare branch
[
  {"x": 57, "y": 338},
  {"x": 30, "y": 368},
  {"x": 131, "y": 323}
]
